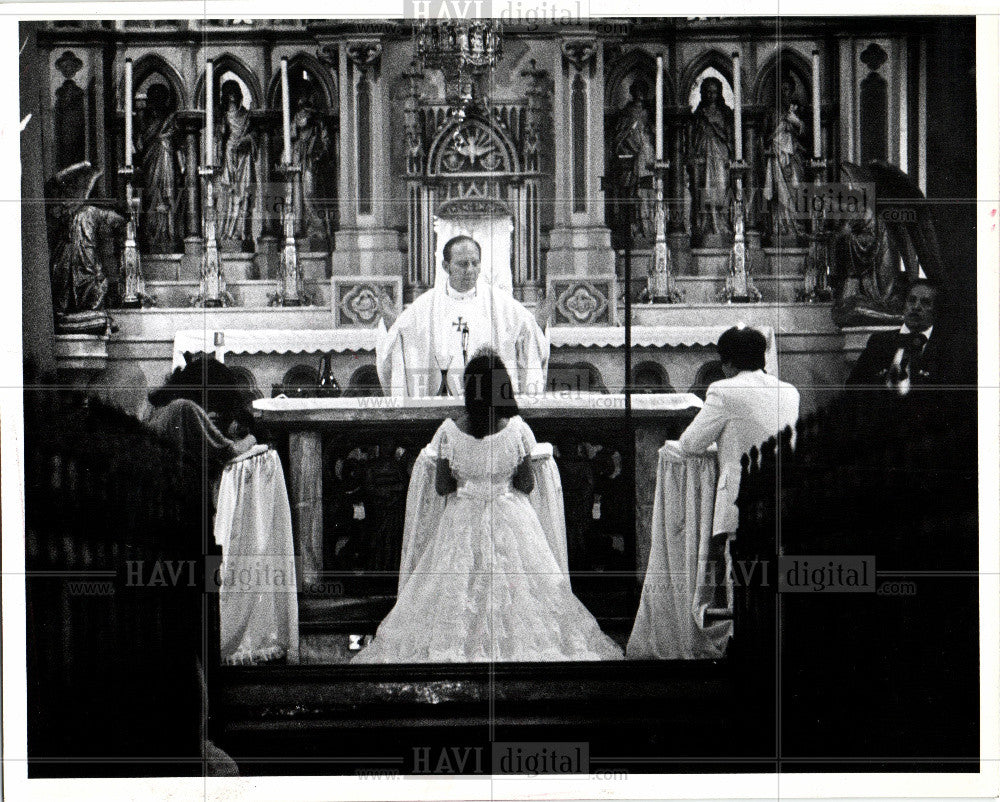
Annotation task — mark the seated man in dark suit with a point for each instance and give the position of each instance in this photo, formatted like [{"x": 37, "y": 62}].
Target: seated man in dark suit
[{"x": 908, "y": 357}]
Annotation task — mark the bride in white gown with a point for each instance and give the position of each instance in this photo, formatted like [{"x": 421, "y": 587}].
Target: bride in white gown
[{"x": 487, "y": 587}]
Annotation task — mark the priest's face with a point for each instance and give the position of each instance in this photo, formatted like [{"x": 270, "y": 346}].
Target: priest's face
[{"x": 463, "y": 269}]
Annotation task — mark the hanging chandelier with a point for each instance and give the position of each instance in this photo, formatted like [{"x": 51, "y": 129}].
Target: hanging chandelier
[{"x": 464, "y": 51}]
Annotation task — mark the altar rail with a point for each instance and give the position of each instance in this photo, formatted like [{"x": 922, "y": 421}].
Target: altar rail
[
  {"x": 114, "y": 565},
  {"x": 891, "y": 481}
]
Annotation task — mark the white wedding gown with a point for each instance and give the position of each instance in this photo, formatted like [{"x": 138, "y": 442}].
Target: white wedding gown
[{"x": 487, "y": 587}]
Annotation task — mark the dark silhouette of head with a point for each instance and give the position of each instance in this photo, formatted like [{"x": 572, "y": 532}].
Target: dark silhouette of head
[
  {"x": 231, "y": 93},
  {"x": 489, "y": 393},
  {"x": 639, "y": 90},
  {"x": 211, "y": 385},
  {"x": 158, "y": 98},
  {"x": 742, "y": 349}
]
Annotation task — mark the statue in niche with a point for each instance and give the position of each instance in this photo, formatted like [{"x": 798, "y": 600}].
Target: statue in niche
[
  {"x": 711, "y": 153},
  {"x": 784, "y": 165},
  {"x": 632, "y": 151},
  {"x": 237, "y": 150},
  {"x": 160, "y": 166},
  {"x": 311, "y": 151},
  {"x": 85, "y": 240},
  {"x": 70, "y": 113}
]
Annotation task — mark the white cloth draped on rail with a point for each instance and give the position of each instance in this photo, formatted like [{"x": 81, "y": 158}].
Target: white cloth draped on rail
[
  {"x": 684, "y": 576},
  {"x": 424, "y": 507},
  {"x": 257, "y": 589}
]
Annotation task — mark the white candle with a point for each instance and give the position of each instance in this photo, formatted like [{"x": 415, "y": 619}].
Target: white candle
[
  {"x": 128, "y": 112},
  {"x": 738, "y": 110},
  {"x": 286, "y": 115},
  {"x": 817, "y": 149},
  {"x": 659, "y": 108},
  {"x": 209, "y": 113}
]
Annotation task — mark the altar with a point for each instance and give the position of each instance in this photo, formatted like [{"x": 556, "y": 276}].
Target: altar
[{"x": 318, "y": 435}]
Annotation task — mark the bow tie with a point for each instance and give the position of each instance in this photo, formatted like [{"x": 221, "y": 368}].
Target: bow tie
[{"x": 911, "y": 342}]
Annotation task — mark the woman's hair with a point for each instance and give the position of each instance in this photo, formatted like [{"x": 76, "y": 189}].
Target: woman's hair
[
  {"x": 211, "y": 385},
  {"x": 489, "y": 392}
]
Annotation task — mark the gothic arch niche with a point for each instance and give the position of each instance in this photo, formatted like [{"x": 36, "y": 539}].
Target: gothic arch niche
[
  {"x": 153, "y": 68},
  {"x": 159, "y": 184},
  {"x": 708, "y": 190},
  {"x": 227, "y": 67},
  {"x": 314, "y": 105},
  {"x": 777, "y": 144},
  {"x": 473, "y": 182},
  {"x": 780, "y": 63},
  {"x": 629, "y": 123},
  {"x": 240, "y": 181}
]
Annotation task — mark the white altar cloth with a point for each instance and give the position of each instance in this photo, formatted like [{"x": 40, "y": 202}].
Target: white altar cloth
[
  {"x": 680, "y": 584},
  {"x": 258, "y": 602},
  {"x": 424, "y": 507}
]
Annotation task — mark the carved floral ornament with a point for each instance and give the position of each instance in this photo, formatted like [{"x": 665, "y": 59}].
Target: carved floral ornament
[
  {"x": 579, "y": 52},
  {"x": 365, "y": 54},
  {"x": 581, "y": 302},
  {"x": 361, "y": 303}
]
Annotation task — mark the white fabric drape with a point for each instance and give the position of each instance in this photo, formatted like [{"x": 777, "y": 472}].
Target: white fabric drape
[
  {"x": 424, "y": 507},
  {"x": 680, "y": 582},
  {"x": 257, "y": 590}
]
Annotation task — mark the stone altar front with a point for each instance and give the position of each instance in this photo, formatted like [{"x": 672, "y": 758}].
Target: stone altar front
[{"x": 312, "y": 425}]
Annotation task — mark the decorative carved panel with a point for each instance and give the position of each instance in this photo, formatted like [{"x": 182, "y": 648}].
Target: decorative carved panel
[
  {"x": 584, "y": 302},
  {"x": 358, "y": 303}
]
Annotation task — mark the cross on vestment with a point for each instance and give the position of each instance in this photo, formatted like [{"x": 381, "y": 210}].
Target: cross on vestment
[{"x": 462, "y": 327}]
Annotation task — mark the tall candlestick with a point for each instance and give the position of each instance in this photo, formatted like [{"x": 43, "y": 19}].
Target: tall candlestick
[
  {"x": 817, "y": 149},
  {"x": 286, "y": 115},
  {"x": 209, "y": 113},
  {"x": 128, "y": 112},
  {"x": 738, "y": 110},
  {"x": 659, "y": 108}
]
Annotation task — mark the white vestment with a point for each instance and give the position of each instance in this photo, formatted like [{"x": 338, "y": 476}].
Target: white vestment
[{"x": 441, "y": 330}]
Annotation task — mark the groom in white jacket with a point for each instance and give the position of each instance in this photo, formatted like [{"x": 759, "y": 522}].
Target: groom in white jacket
[{"x": 741, "y": 411}]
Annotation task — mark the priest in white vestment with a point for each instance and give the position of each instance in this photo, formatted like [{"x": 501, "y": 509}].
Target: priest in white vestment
[{"x": 426, "y": 348}]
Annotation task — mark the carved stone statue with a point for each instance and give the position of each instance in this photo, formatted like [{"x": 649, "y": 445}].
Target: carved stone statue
[
  {"x": 160, "y": 164},
  {"x": 865, "y": 251},
  {"x": 784, "y": 166},
  {"x": 311, "y": 151},
  {"x": 84, "y": 241},
  {"x": 236, "y": 175},
  {"x": 710, "y": 155},
  {"x": 633, "y": 154}
]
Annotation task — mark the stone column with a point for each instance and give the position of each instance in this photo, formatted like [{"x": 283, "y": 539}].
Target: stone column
[
  {"x": 678, "y": 235},
  {"x": 365, "y": 244},
  {"x": 305, "y": 453},
  {"x": 267, "y": 258},
  {"x": 580, "y": 242},
  {"x": 191, "y": 123}
]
